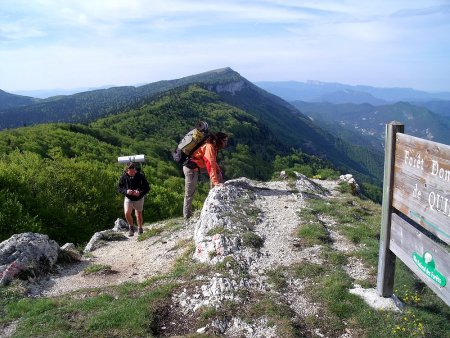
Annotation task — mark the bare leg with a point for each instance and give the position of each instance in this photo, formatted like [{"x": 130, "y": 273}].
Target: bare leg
[
  {"x": 128, "y": 216},
  {"x": 139, "y": 218}
]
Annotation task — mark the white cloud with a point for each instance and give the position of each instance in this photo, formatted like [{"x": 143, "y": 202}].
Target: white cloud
[
  {"x": 18, "y": 31},
  {"x": 80, "y": 43}
]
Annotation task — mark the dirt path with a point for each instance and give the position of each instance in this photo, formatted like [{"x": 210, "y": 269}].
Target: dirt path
[
  {"x": 135, "y": 261},
  {"x": 280, "y": 209},
  {"x": 130, "y": 261}
]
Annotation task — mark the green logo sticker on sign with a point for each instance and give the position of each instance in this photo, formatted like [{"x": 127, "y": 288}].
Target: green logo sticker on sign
[{"x": 428, "y": 266}]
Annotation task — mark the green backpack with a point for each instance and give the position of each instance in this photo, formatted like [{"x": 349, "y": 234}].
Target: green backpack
[{"x": 191, "y": 142}]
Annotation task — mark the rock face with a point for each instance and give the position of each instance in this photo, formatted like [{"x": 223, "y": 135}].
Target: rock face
[
  {"x": 220, "y": 215},
  {"x": 231, "y": 87},
  {"x": 27, "y": 252},
  {"x": 240, "y": 228}
]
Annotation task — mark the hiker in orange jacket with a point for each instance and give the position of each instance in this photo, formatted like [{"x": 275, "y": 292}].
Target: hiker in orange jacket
[{"x": 205, "y": 157}]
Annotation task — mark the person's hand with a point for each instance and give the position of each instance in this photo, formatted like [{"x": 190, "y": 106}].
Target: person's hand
[
  {"x": 130, "y": 192},
  {"x": 136, "y": 192}
]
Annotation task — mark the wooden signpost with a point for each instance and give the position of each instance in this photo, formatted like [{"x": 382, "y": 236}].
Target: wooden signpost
[{"x": 415, "y": 224}]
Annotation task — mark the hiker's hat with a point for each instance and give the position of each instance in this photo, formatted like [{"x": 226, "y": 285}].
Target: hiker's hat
[{"x": 131, "y": 165}]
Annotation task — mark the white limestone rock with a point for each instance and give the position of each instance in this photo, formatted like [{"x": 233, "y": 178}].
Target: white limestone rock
[{"x": 31, "y": 252}]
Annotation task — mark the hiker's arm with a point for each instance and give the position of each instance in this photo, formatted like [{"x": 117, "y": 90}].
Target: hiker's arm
[
  {"x": 211, "y": 165},
  {"x": 145, "y": 186},
  {"x": 121, "y": 187}
]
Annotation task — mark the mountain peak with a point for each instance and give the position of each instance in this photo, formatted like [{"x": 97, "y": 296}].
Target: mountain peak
[{"x": 219, "y": 75}]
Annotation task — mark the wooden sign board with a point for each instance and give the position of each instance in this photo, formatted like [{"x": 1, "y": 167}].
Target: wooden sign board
[
  {"x": 430, "y": 262},
  {"x": 417, "y": 185},
  {"x": 422, "y": 183}
]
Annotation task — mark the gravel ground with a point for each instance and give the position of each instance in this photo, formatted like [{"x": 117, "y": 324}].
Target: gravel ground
[{"x": 130, "y": 261}]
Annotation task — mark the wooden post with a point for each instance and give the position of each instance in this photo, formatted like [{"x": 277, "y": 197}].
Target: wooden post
[{"x": 386, "y": 259}]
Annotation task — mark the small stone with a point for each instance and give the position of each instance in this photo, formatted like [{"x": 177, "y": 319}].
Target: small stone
[{"x": 202, "y": 330}]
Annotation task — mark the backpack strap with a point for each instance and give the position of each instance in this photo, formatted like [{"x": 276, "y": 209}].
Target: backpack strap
[
  {"x": 188, "y": 159},
  {"x": 198, "y": 145}
]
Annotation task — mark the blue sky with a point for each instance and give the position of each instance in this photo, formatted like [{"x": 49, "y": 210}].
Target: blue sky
[{"x": 48, "y": 44}]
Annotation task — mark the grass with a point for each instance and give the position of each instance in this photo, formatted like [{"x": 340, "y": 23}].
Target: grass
[
  {"x": 170, "y": 225},
  {"x": 103, "y": 315},
  {"x": 96, "y": 268},
  {"x": 127, "y": 310},
  {"x": 219, "y": 231},
  {"x": 277, "y": 278},
  {"x": 308, "y": 270},
  {"x": 424, "y": 315},
  {"x": 278, "y": 314},
  {"x": 149, "y": 233},
  {"x": 230, "y": 267},
  {"x": 313, "y": 233},
  {"x": 252, "y": 240}
]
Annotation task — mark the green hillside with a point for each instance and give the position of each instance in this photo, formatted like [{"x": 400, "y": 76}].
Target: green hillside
[
  {"x": 60, "y": 179},
  {"x": 288, "y": 125}
]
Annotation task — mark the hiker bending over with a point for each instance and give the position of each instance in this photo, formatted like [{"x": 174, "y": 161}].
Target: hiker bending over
[
  {"x": 134, "y": 186},
  {"x": 203, "y": 158}
]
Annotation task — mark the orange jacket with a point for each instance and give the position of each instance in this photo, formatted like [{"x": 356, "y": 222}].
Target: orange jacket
[{"x": 205, "y": 157}]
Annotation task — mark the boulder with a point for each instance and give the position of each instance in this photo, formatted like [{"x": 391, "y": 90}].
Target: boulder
[
  {"x": 29, "y": 253},
  {"x": 69, "y": 253},
  {"x": 120, "y": 225},
  {"x": 284, "y": 175},
  {"x": 351, "y": 182},
  {"x": 101, "y": 238},
  {"x": 303, "y": 183}
]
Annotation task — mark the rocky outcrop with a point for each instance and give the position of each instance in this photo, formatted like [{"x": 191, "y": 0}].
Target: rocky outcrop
[
  {"x": 219, "y": 228},
  {"x": 27, "y": 253},
  {"x": 355, "y": 189},
  {"x": 230, "y": 87},
  {"x": 100, "y": 238},
  {"x": 236, "y": 232}
]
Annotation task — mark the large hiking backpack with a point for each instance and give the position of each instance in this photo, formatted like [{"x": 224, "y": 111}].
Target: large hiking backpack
[{"x": 191, "y": 142}]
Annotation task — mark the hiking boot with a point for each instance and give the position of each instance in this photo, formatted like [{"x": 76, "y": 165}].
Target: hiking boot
[
  {"x": 140, "y": 230},
  {"x": 131, "y": 232}
]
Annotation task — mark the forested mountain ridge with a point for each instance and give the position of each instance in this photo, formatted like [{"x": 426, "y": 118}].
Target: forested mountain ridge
[
  {"x": 91, "y": 105},
  {"x": 370, "y": 120},
  {"x": 290, "y": 126},
  {"x": 440, "y": 107},
  {"x": 8, "y": 100}
]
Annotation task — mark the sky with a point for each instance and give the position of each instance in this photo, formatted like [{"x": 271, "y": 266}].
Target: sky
[{"x": 64, "y": 44}]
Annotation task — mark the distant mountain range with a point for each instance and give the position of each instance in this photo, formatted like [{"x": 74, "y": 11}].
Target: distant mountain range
[
  {"x": 358, "y": 114},
  {"x": 369, "y": 121},
  {"x": 87, "y": 106},
  {"x": 46, "y": 93},
  {"x": 316, "y": 91}
]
